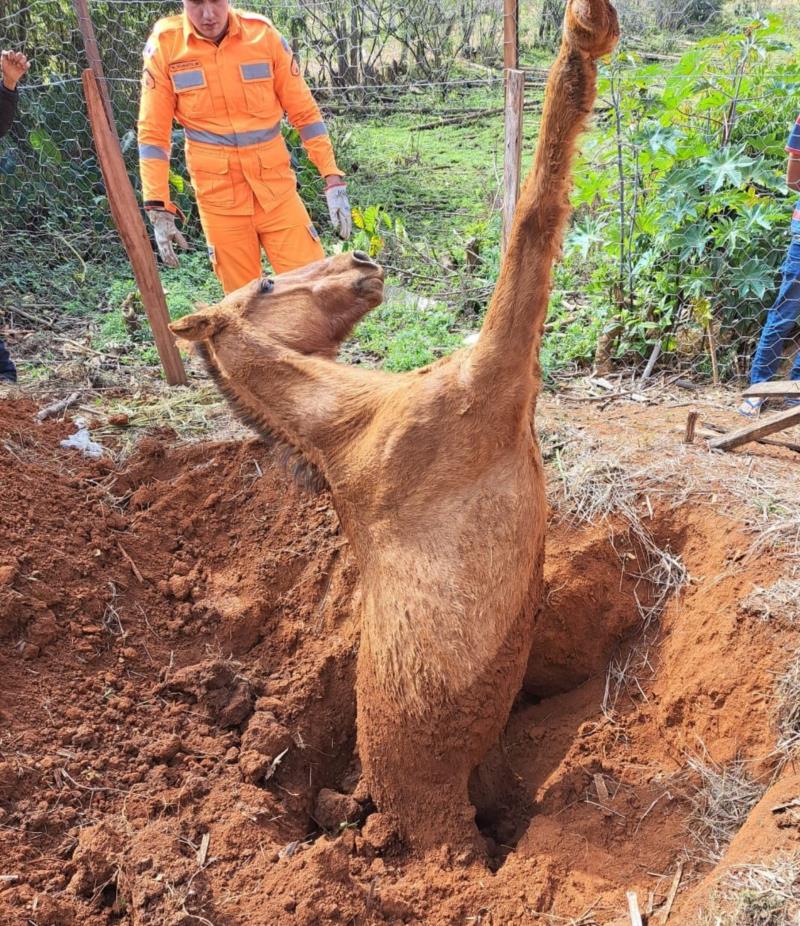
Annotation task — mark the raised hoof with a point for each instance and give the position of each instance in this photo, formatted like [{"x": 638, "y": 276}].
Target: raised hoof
[{"x": 592, "y": 27}]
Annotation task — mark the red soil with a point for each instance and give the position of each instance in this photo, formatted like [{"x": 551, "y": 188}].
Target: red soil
[{"x": 177, "y": 646}]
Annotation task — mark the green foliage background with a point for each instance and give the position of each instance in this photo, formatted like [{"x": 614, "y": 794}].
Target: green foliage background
[{"x": 680, "y": 226}]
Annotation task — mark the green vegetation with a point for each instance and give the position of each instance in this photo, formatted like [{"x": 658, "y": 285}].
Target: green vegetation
[{"x": 680, "y": 224}]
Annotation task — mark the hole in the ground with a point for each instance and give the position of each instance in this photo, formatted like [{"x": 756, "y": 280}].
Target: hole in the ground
[{"x": 598, "y": 760}]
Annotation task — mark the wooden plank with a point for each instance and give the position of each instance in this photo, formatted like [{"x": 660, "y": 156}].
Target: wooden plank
[
  {"x": 129, "y": 222},
  {"x": 790, "y": 387},
  {"x": 515, "y": 99},
  {"x": 93, "y": 57},
  {"x": 753, "y": 432},
  {"x": 712, "y": 430}
]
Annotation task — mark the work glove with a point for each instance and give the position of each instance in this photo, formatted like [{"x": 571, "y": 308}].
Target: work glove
[
  {"x": 167, "y": 234},
  {"x": 339, "y": 207}
]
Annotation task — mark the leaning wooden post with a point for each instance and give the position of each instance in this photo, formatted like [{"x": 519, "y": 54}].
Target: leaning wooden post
[
  {"x": 93, "y": 57},
  {"x": 512, "y": 161},
  {"x": 130, "y": 226}
]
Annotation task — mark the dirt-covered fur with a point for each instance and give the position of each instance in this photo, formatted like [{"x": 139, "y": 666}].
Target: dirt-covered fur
[{"x": 435, "y": 474}]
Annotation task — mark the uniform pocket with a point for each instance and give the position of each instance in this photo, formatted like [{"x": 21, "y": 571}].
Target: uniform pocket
[
  {"x": 192, "y": 95},
  {"x": 211, "y": 179},
  {"x": 276, "y": 171},
  {"x": 259, "y": 87}
]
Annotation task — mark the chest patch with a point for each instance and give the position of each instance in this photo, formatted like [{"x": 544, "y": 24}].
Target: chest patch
[{"x": 187, "y": 75}]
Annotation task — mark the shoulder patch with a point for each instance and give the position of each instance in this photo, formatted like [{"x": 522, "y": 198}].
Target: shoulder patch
[{"x": 165, "y": 24}]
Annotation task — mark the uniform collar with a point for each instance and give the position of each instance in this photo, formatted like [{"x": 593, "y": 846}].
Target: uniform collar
[{"x": 234, "y": 27}]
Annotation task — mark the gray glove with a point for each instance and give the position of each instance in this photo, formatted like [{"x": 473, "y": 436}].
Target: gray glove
[
  {"x": 339, "y": 209},
  {"x": 167, "y": 234}
]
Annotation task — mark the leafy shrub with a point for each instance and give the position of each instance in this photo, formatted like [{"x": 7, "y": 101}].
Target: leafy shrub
[{"x": 680, "y": 217}]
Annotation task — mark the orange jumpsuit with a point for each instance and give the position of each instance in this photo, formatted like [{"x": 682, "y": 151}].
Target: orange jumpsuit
[{"x": 230, "y": 99}]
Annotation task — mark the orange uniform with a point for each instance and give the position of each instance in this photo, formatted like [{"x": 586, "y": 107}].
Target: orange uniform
[{"x": 230, "y": 98}]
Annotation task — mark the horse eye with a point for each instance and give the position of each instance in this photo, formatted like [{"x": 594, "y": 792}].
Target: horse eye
[{"x": 267, "y": 285}]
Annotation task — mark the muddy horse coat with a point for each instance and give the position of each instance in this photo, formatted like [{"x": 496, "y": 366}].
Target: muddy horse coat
[{"x": 436, "y": 477}]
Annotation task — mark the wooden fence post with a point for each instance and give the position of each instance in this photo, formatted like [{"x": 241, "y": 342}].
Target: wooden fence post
[
  {"x": 93, "y": 56},
  {"x": 510, "y": 33},
  {"x": 129, "y": 222},
  {"x": 512, "y": 160}
]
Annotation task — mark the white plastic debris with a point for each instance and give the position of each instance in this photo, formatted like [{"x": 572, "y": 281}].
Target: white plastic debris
[{"x": 82, "y": 440}]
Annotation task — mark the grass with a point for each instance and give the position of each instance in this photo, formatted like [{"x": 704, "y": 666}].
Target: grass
[
  {"x": 775, "y": 602},
  {"x": 788, "y": 693},
  {"x": 404, "y": 333},
  {"x": 721, "y": 800},
  {"x": 757, "y": 895},
  {"x": 190, "y": 283}
]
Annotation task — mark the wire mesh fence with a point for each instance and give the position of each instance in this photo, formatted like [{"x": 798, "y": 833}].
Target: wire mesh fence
[{"x": 682, "y": 220}]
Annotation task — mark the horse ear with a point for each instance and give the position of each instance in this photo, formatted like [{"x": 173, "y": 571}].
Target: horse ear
[{"x": 200, "y": 326}]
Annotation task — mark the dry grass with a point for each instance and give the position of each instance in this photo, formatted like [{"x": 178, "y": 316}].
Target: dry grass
[
  {"x": 720, "y": 798},
  {"x": 779, "y": 601},
  {"x": 789, "y": 710},
  {"x": 757, "y": 895},
  {"x": 195, "y": 413}
]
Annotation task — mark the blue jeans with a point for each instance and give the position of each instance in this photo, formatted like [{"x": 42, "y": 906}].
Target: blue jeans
[
  {"x": 781, "y": 323},
  {"x": 8, "y": 371}
]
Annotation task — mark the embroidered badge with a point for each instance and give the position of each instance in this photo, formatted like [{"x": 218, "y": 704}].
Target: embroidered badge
[
  {"x": 148, "y": 81},
  {"x": 149, "y": 49}
]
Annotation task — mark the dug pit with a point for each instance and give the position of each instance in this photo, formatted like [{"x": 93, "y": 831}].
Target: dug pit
[{"x": 177, "y": 742}]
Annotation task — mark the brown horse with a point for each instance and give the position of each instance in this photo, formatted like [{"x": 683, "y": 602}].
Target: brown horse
[{"x": 436, "y": 475}]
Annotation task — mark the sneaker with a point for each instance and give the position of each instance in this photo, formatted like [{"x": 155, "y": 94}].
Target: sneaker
[{"x": 751, "y": 407}]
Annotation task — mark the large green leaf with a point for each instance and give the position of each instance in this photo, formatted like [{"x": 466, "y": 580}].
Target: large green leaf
[{"x": 727, "y": 167}]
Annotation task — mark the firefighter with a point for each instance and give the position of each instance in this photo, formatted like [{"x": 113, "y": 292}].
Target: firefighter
[{"x": 228, "y": 77}]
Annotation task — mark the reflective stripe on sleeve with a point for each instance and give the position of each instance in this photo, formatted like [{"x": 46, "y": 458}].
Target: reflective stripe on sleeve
[
  {"x": 308, "y": 132},
  {"x": 153, "y": 153}
]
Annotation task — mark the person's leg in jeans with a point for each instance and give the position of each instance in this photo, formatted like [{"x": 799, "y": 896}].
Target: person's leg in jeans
[
  {"x": 781, "y": 322},
  {"x": 8, "y": 372}
]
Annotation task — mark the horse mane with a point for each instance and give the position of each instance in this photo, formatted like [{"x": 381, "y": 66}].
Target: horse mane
[{"x": 291, "y": 458}]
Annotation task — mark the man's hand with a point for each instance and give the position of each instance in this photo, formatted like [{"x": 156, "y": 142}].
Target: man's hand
[
  {"x": 13, "y": 64},
  {"x": 339, "y": 206},
  {"x": 167, "y": 234}
]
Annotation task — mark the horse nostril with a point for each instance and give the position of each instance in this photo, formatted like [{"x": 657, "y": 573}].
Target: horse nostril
[{"x": 361, "y": 258}]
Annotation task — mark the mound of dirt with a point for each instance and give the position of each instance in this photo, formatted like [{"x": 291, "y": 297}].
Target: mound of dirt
[{"x": 177, "y": 645}]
